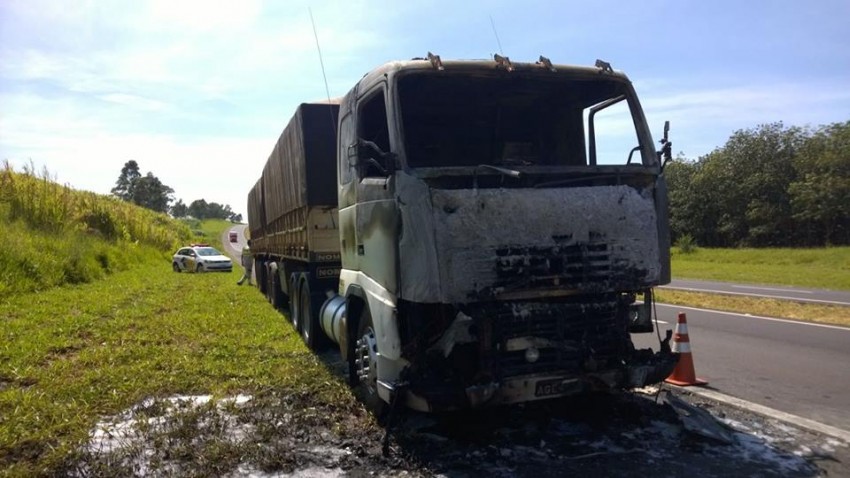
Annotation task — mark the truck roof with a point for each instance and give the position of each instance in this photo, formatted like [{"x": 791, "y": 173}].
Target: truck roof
[{"x": 488, "y": 65}]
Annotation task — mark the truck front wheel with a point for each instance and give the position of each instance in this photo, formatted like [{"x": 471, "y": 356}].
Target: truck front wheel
[{"x": 365, "y": 365}]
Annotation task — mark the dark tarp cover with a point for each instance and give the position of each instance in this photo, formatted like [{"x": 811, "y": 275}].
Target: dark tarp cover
[{"x": 301, "y": 170}]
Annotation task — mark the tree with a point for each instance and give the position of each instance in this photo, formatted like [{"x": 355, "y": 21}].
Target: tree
[
  {"x": 198, "y": 209},
  {"x": 768, "y": 186},
  {"x": 125, "y": 185},
  {"x": 179, "y": 209},
  {"x": 201, "y": 209},
  {"x": 152, "y": 194},
  {"x": 146, "y": 191},
  {"x": 820, "y": 198}
]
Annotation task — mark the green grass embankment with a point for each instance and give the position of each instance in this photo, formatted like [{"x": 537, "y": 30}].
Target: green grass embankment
[
  {"x": 54, "y": 235},
  {"x": 72, "y": 355}
]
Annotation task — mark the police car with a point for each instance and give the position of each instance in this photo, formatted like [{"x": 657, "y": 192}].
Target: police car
[{"x": 200, "y": 258}]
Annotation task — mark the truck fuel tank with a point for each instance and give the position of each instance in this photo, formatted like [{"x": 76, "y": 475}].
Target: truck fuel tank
[{"x": 332, "y": 318}]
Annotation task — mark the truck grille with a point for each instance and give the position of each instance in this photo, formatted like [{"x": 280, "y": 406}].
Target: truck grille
[
  {"x": 579, "y": 335},
  {"x": 568, "y": 265}
]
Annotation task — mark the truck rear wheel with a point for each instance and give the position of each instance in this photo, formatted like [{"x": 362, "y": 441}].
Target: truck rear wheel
[
  {"x": 260, "y": 268},
  {"x": 277, "y": 297},
  {"x": 311, "y": 330},
  {"x": 294, "y": 305},
  {"x": 270, "y": 282},
  {"x": 365, "y": 365}
]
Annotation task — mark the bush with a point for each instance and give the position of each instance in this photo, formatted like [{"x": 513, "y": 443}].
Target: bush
[{"x": 686, "y": 244}]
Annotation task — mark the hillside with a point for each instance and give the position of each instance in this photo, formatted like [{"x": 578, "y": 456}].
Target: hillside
[{"x": 55, "y": 235}]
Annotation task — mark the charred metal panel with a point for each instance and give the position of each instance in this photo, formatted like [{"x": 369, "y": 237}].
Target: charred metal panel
[
  {"x": 533, "y": 243},
  {"x": 419, "y": 271}
]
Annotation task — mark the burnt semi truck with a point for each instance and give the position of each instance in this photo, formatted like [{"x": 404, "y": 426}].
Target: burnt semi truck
[{"x": 470, "y": 233}]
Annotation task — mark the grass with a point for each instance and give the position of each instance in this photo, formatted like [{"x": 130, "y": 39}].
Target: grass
[
  {"x": 73, "y": 354},
  {"x": 56, "y": 235},
  {"x": 827, "y": 268},
  {"x": 827, "y": 314},
  {"x": 93, "y": 321}
]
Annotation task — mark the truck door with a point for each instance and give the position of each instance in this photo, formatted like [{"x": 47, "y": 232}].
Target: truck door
[{"x": 375, "y": 221}]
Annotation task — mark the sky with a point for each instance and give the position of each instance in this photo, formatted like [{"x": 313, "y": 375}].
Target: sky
[{"x": 197, "y": 91}]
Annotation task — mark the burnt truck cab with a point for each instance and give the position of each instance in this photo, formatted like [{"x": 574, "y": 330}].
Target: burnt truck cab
[{"x": 502, "y": 226}]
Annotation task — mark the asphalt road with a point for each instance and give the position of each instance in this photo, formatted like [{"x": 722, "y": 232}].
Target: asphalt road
[
  {"x": 234, "y": 249},
  {"x": 798, "y": 368},
  {"x": 818, "y": 296}
]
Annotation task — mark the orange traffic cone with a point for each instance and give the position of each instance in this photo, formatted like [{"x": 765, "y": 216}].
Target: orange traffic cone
[{"x": 684, "y": 374}]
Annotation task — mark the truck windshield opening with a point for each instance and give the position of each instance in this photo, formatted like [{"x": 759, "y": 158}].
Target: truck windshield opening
[{"x": 516, "y": 120}]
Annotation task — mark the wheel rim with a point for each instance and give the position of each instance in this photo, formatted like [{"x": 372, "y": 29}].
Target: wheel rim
[{"x": 366, "y": 360}]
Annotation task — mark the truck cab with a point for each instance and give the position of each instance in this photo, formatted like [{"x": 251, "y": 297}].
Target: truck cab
[{"x": 501, "y": 228}]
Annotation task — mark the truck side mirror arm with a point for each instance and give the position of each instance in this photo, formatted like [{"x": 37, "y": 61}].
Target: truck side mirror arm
[{"x": 666, "y": 153}]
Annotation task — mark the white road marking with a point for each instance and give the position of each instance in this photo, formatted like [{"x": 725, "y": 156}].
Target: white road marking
[
  {"x": 768, "y": 412},
  {"x": 760, "y": 317},
  {"x": 771, "y": 288},
  {"x": 711, "y": 291}
]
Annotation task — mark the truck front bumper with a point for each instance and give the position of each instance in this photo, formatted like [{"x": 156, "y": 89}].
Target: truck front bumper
[{"x": 528, "y": 388}]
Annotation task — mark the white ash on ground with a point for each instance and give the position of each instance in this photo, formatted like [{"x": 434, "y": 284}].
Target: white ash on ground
[{"x": 292, "y": 435}]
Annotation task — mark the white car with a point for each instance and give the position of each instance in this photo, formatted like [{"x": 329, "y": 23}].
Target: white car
[{"x": 200, "y": 258}]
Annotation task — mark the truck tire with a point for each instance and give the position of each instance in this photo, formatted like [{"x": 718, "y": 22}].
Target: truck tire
[
  {"x": 295, "y": 305},
  {"x": 269, "y": 282},
  {"x": 365, "y": 365},
  {"x": 276, "y": 293},
  {"x": 260, "y": 268},
  {"x": 311, "y": 330}
]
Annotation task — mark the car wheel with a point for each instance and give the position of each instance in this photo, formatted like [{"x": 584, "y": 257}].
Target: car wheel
[
  {"x": 199, "y": 268},
  {"x": 175, "y": 267},
  {"x": 365, "y": 365}
]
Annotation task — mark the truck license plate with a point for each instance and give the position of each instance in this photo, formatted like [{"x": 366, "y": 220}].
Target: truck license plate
[{"x": 557, "y": 386}]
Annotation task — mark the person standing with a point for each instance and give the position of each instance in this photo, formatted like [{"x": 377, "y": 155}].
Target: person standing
[{"x": 247, "y": 264}]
